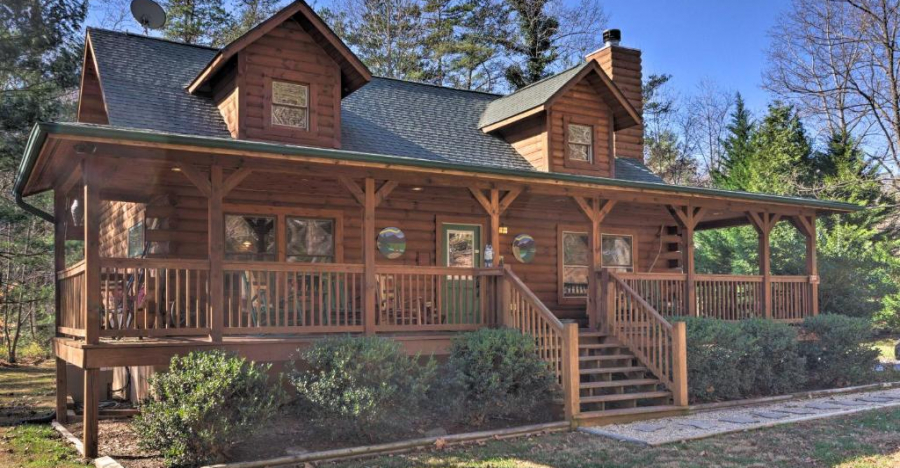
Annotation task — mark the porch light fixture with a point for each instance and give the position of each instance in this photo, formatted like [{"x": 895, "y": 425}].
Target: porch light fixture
[
  {"x": 77, "y": 211},
  {"x": 504, "y": 230}
]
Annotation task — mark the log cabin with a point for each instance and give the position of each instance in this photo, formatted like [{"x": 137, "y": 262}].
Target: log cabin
[{"x": 257, "y": 197}]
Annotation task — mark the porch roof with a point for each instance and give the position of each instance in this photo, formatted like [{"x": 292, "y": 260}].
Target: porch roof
[{"x": 42, "y": 131}]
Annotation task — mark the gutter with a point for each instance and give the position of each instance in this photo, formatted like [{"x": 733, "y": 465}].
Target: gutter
[
  {"x": 41, "y": 130},
  {"x": 32, "y": 149}
]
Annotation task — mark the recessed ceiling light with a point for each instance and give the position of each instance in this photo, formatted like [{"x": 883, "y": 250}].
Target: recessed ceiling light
[
  {"x": 176, "y": 169},
  {"x": 417, "y": 189}
]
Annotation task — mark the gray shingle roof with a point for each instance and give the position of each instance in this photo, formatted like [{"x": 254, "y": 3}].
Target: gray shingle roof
[
  {"x": 144, "y": 82},
  {"x": 527, "y": 98}
]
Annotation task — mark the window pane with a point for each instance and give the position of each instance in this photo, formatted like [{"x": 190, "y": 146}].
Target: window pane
[
  {"x": 310, "y": 240},
  {"x": 617, "y": 251},
  {"x": 136, "y": 240},
  {"x": 580, "y": 134},
  {"x": 249, "y": 238},
  {"x": 289, "y": 116},
  {"x": 579, "y": 152},
  {"x": 460, "y": 248},
  {"x": 576, "y": 259},
  {"x": 575, "y": 281},
  {"x": 291, "y": 94}
]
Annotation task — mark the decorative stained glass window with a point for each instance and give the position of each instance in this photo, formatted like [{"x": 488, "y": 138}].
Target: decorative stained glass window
[
  {"x": 576, "y": 263},
  {"x": 617, "y": 251},
  {"x": 580, "y": 142},
  {"x": 310, "y": 240},
  {"x": 249, "y": 238},
  {"x": 290, "y": 104},
  {"x": 391, "y": 242},
  {"x": 524, "y": 248}
]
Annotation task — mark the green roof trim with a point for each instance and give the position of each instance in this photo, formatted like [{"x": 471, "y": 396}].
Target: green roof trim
[{"x": 41, "y": 130}]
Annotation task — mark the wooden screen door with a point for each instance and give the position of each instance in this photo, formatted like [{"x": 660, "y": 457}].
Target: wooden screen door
[{"x": 461, "y": 244}]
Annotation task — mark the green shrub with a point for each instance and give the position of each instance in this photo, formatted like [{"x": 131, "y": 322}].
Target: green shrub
[
  {"x": 496, "y": 373},
  {"x": 365, "y": 386},
  {"x": 204, "y": 404},
  {"x": 839, "y": 353},
  {"x": 733, "y": 360}
]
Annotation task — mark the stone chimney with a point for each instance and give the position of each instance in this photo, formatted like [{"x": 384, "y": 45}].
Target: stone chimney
[{"x": 623, "y": 65}]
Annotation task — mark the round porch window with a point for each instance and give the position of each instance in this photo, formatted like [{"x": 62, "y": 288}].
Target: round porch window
[
  {"x": 391, "y": 242},
  {"x": 524, "y": 248}
]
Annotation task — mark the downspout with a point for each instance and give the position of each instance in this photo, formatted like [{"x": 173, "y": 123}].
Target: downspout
[{"x": 21, "y": 203}]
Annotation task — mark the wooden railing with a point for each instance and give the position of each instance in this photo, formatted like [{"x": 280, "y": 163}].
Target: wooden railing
[
  {"x": 425, "y": 298},
  {"x": 292, "y": 298},
  {"x": 70, "y": 285},
  {"x": 792, "y": 297},
  {"x": 658, "y": 344},
  {"x": 153, "y": 297},
  {"x": 663, "y": 291},
  {"x": 557, "y": 343},
  {"x": 729, "y": 297}
]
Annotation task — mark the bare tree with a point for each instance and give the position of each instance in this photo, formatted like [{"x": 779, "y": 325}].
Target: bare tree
[
  {"x": 704, "y": 124},
  {"x": 838, "y": 61}
]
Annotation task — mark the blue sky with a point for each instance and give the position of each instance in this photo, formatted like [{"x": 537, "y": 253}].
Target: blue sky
[{"x": 724, "y": 41}]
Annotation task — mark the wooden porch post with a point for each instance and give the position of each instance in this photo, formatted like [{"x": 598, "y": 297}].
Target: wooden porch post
[
  {"x": 494, "y": 206},
  {"x": 570, "y": 375},
  {"x": 216, "y": 245},
  {"x": 679, "y": 364},
  {"x": 688, "y": 217},
  {"x": 595, "y": 210},
  {"x": 91, "y": 252},
  {"x": 60, "y": 216},
  {"x": 807, "y": 226},
  {"x": 763, "y": 223},
  {"x": 91, "y": 413}
]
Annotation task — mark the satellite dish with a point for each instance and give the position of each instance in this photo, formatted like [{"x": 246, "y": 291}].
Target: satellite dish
[{"x": 148, "y": 13}]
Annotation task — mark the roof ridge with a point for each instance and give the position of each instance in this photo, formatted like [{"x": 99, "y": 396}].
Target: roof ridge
[
  {"x": 144, "y": 36},
  {"x": 449, "y": 88},
  {"x": 542, "y": 80}
]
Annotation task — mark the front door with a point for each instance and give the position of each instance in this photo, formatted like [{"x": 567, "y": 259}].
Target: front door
[{"x": 461, "y": 244}]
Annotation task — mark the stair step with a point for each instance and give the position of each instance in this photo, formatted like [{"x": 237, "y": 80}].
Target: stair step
[
  {"x": 624, "y": 397},
  {"x": 618, "y": 383},
  {"x": 627, "y": 414},
  {"x": 599, "y": 345},
  {"x": 613, "y": 370},
  {"x": 606, "y": 357},
  {"x": 591, "y": 333}
]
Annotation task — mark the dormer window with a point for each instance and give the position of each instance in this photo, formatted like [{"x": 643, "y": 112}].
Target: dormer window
[
  {"x": 290, "y": 104},
  {"x": 580, "y": 143}
]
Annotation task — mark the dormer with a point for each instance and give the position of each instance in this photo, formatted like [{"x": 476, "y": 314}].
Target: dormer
[
  {"x": 283, "y": 80},
  {"x": 577, "y": 121}
]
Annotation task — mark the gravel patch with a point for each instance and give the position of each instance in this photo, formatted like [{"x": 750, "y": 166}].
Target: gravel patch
[{"x": 735, "y": 419}]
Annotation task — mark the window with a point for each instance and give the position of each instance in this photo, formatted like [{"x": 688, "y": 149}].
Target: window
[
  {"x": 250, "y": 238},
  {"x": 580, "y": 142},
  {"x": 310, "y": 240},
  {"x": 617, "y": 252},
  {"x": 136, "y": 240},
  {"x": 290, "y": 104},
  {"x": 576, "y": 261}
]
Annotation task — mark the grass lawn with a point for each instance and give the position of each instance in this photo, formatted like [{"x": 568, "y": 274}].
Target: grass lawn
[
  {"x": 867, "y": 440},
  {"x": 26, "y": 392},
  {"x": 886, "y": 347}
]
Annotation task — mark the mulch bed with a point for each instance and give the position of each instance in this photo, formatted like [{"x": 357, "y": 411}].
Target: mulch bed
[{"x": 286, "y": 434}]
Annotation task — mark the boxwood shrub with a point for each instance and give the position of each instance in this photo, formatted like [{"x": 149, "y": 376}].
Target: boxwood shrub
[
  {"x": 204, "y": 404},
  {"x": 496, "y": 373},
  {"x": 361, "y": 387},
  {"x": 838, "y": 352}
]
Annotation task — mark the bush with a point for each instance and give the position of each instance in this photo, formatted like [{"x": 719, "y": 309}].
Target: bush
[
  {"x": 841, "y": 355},
  {"x": 497, "y": 373},
  {"x": 203, "y": 405},
  {"x": 733, "y": 360},
  {"x": 364, "y": 386}
]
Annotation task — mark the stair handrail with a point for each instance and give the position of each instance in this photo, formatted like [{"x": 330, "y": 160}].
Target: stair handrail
[
  {"x": 659, "y": 345},
  {"x": 557, "y": 342}
]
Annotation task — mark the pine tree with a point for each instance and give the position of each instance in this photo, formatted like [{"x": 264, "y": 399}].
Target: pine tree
[
  {"x": 533, "y": 41},
  {"x": 249, "y": 13},
  {"x": 197, "y": 21},
  {"x": 737, "y": 146}
]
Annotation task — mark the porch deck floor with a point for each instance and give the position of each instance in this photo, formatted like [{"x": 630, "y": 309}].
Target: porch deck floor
[{"x": 722, "y": 421}]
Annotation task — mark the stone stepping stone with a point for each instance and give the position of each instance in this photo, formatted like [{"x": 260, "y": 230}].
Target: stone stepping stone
[
  {"x": 877, "y": 399},
  {"x": 850, "y": 403},
  {"x": 799, "y": 411},
  {"x": 698, "y": 424},
  {"x": 647, "y": 427},
  {"x": 823, "y": 406},
  {"x": 740, "y": 419},
  {"x": 770, "y": 414}
]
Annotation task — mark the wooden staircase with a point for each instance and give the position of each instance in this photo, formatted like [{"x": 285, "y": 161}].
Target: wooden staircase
[{"x": 614, "y": 386}]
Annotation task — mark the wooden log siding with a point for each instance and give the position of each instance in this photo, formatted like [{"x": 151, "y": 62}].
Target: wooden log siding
[
  {"x": 653, "y": 340},
  {"x": 70, "y": 287},
  {"x": 293, "y": 298},
  {"x": 435, "y": 298},
  {"x": 152, "y": 297}
]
